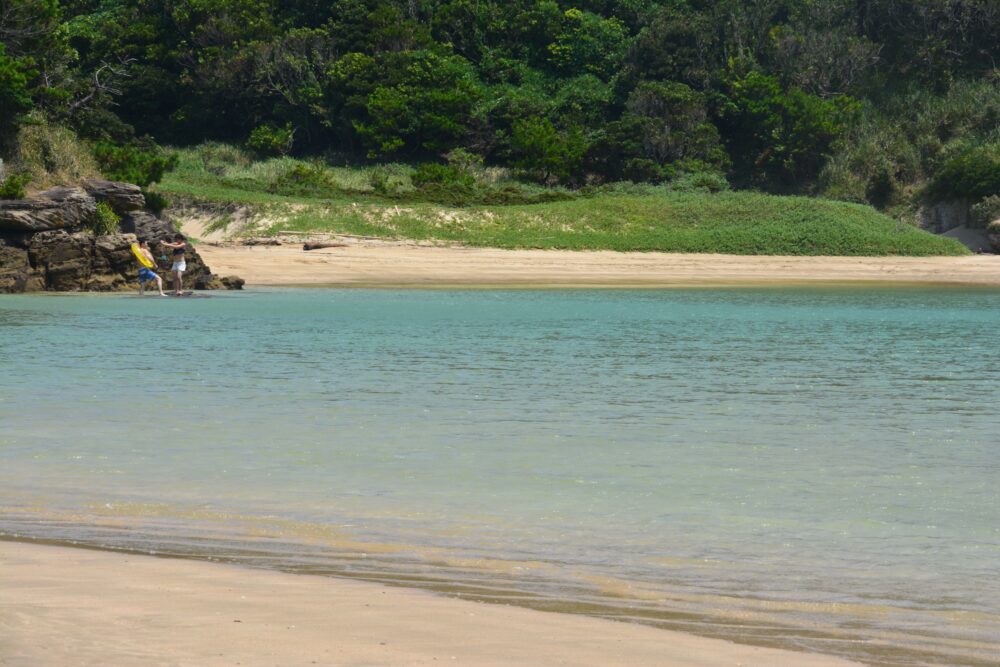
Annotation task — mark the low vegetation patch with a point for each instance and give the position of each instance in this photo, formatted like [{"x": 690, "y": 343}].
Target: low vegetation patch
[{"x": 691, "y": 214}]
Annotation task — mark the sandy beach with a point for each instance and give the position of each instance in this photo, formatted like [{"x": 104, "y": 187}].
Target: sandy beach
[
  {"x": 62, "y": 607},
  {"x": 380, "y": 264}
]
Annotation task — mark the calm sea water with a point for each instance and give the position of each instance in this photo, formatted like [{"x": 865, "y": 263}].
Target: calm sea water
[{"x": 808, "y": 468}]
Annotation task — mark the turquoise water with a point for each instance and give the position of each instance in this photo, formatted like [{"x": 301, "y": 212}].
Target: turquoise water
[{"x": 808, "y": 468}]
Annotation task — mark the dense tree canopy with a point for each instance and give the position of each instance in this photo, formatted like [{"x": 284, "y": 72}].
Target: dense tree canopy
[{"x": 764, "y": 91}]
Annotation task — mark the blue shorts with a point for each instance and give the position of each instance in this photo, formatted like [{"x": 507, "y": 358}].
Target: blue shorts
[{"x": 145, "y": 274}]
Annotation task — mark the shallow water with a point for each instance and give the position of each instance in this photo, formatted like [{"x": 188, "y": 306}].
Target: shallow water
[{"x": 808, "y": 468}]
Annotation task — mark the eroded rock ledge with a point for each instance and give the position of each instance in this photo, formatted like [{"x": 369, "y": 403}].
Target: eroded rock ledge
[{"x": 43, "y": 245}]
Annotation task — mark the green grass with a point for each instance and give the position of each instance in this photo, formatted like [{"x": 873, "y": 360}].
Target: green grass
[{"x": 638, "y": 218}]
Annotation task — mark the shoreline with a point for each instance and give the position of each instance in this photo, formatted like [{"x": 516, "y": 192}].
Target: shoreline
[
  {"x": 64, "y": 606},
  {"x": 367, "y": 264}
]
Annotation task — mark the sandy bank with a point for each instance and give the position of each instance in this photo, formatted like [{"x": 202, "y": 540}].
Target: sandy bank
[
  {"x": 63, "y": 607},
  {"x": 412, "y": 265}
]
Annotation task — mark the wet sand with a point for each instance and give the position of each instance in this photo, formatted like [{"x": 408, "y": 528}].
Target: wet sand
[
  {"x": 373, "y": 264},
  {"x": 62, "y": 607}
]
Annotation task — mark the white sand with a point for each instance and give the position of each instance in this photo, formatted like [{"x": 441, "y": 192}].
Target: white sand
[
  {"x": 412, "y": 265},
  {"x": 62, "y": 607}
]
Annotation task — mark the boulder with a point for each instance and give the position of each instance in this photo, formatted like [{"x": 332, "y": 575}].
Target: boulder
[
  {"x": 64, "y": 259},
  {"x": 122, "y": 197},
  {"x": 114, "y": 267},
  {"x": 58, "y": 208},
  {"x": 16, "y": 274},
  {"x": 145, "y": 225}
]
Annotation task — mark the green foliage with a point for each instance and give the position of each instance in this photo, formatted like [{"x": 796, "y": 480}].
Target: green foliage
[
  {"x": 105, "y": 222},
  {"x": 15, "y": 98},
  {"x": 587, "y": 42},
  {"x": 974, "y": 174},
  {"x": 699, "y": 182},
  {"x": 309, "y": 179},
  {"x": 545, "y": 153},
  {"x": 12, "y": 187},
  {"x": 142, "y": 163},
  {"x": 986, "y": 211},
  {"x": 268, "y": 140},
  {"x": 891, "y": 152},
  {"x": 693, "y": 213},
  {"x": 422, "y": 108},
  {"x": 647, "y": 90},
  {"x": 156, "y": 202},
  {"x": 431, "y": 173},
  {"x": 778, "y": 137},
  {"x": 664, "y": 132}
]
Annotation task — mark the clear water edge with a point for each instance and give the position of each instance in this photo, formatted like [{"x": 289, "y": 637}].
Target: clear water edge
[{"x": 773, "y": 466}]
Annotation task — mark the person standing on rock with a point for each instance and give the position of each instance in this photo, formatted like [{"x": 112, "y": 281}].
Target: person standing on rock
[
  {"x": 146, "y": 274},
  {"x": 179, "y": 244}
]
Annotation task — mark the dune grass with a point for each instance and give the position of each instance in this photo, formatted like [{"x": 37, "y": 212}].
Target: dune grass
[{"x": 624, "y": 218}]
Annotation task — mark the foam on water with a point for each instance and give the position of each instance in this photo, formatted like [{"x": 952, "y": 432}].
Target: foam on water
[{"x": 812, "y": 468}]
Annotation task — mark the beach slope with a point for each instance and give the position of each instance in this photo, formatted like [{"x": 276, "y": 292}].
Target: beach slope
[
  {"x": 363, "y": 264},
  {"x": 62, "y": 607}
]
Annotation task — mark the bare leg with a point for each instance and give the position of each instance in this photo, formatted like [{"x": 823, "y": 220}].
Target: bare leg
[
  {"x": 159, "y": 284},
  {"x": 177, "y": 283}
]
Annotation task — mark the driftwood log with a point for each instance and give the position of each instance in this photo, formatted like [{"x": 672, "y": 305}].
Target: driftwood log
[{"x": 317, "y": 245}]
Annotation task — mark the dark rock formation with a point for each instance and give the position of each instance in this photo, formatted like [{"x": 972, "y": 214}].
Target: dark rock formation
[
  {"x": 63, "y": 259},
  {"x": 75, "y": 262},
  {"x": 16, "y": 274},
  {"x": 58, "y": 208},
  {"x": 122, "y": 197},
  {"x": 152, "y": 229},
  {"x": 42, "y": 247}
]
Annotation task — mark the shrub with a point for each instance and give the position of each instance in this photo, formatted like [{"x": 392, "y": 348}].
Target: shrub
[
  {"x": 155, "y": 202},
  {"x": 512, "y": 195},
  {"x": 305, "y": 179},
  {"x": 464, "y": 160},
  {"x": 974, "y": 173},
  {"x": 12, "y": 187},
  {"x": 545, "y": 153},
  {"x": 385, "y": 180},
  {"x": 777, "y": 137},
  {"x": 105, "y": 222},
  {"x": 269, "y": 140},
  {"x": 441, "y": 174},
  {"x": 141, "y": 162},
  {"x": 987, "y": 211},
  {"x": 699, "y": 182}
]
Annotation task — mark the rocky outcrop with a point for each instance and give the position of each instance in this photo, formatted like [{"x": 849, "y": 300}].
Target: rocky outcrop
[
  {"x": 81, "y": 262},
  {"x": 942, "y": 216},
  {"x": 122, "y": 197},
  {"x": 43, "y": 248},
  {"x": 63, "y": 259},
  {"x": 152, "y": 229},
  {"x": 16, "y": 274},
  {"x": 58, "y": 208}
]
